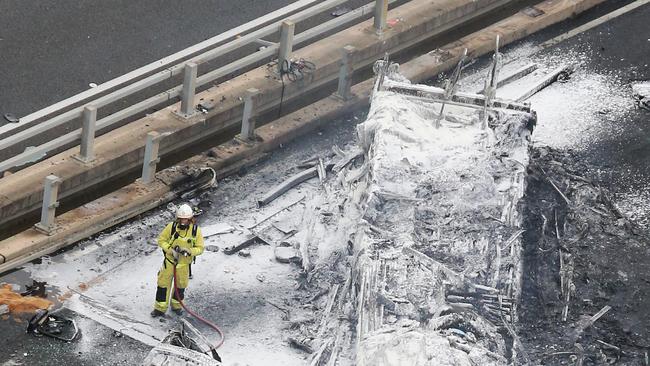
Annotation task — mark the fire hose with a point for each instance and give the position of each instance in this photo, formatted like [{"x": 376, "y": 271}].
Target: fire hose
[{"x": 202, "y": 319}]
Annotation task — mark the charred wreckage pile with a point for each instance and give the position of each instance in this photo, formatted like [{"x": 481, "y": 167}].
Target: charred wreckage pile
[{"x": 411, "y": 247}]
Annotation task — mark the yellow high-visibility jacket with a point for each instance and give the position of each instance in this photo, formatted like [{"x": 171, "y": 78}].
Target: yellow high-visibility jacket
[{"x": 183, "y": 239}]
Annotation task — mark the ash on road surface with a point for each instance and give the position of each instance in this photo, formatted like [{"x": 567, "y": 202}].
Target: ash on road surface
[{"x": 605, "y": 262}]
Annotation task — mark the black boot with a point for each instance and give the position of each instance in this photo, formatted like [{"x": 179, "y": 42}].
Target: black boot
[
  {"x": 178, "y": 311},
  {"x": 156, "y": 313}
]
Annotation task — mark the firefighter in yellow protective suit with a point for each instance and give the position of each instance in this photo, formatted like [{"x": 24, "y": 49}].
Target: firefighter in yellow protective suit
[{"x": 181, "y": 241}]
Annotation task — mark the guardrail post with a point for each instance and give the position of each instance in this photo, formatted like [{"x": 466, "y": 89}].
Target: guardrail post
[
  {"x": 189, "y": 89},
  {"x": 87, "y": 149},
  {"x": 286, "y": 42},
  {"x": 381, "y": 14},
  {"x": 150, "y": 157},
  {"x": 248, "y": 119},
  {"x": 50, "y": 203},
  {"x": 345, "y": 73}
]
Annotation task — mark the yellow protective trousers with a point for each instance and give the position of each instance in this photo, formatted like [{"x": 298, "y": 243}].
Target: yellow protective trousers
[{"x": 166, "y": 285}]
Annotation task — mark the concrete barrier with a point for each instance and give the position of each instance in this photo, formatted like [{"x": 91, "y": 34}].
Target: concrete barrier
[{"x": 227, "y": 158}]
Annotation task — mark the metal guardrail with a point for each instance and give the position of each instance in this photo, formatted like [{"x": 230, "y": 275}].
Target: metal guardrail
[
  {"x": 296, "y": 12},
  {"x": 186, "y": 91}
]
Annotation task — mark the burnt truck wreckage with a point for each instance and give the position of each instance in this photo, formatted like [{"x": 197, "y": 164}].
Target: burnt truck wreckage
[
  {"x": 412, "y": 244},
  {"x": 447, "y": 238}
]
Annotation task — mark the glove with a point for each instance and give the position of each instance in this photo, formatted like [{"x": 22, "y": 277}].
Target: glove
[
  {"x": 185, "y": 252},
  {"x": 175, "y": 252}
]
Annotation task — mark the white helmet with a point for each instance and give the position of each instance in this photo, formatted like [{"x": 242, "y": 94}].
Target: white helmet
[{"x": 184, "y": 211}]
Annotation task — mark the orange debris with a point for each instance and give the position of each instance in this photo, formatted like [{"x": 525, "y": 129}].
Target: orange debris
[{"x": 21, "y": 304}]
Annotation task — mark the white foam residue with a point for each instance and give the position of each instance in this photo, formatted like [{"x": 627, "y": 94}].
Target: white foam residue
[{"x": 575, "y": 114}]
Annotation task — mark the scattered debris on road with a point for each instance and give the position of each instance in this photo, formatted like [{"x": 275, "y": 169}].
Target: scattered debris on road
[
  {"x": 287, "y": 255},
  {"x": 293, "y": 181},
  {"x": 212, "y": 248},
  {"x": 185, "y": 346},
  {"x": 35, "y": 289},
  {"x": 11, "y": 118},
  {"x": 44, "y": 323},
  {"x": 341, "y": 11},
  {"x": 561, "y": 74},
  {"x": 249, "y": 240},
  {"x": 216, "y": 229},
  {"x": 641, "y": 93}
]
